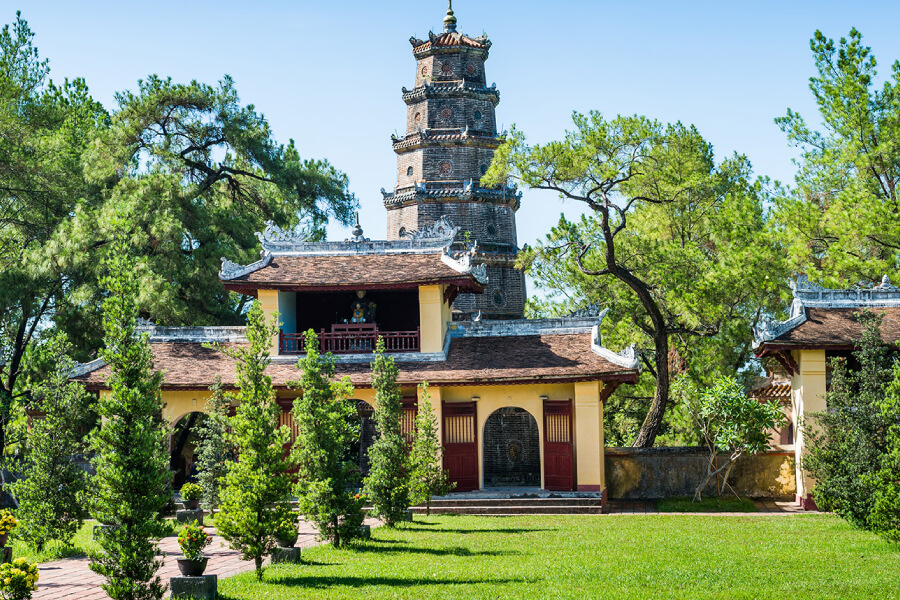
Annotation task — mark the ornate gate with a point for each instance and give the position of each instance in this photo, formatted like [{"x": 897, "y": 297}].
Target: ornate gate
[
  {"x": 559, "y": 459},
  {"x": 460, "y": 444}
]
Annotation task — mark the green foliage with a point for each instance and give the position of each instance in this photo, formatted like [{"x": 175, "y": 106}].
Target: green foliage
[
  {"x": 325, "y": 474},
  {"x": 131, "y": 487},
  {"x": 213, "y": 450},
  {"x": 853, "y": 446},
  {"x": 388, "y": 481},
  {"x": 286, "y": 526},
  {"x": 191, "y": 491},
  {"x": 50, "y": 494},
  {"x": 259, "y": 477},
  {"x": 18, "y": 579},
  {"x": 841, "y": 224},
  {"x": 677, "y": 248},
  {"x": 192, "y": 539},
  {"x": 731, "y": 423},
  {"x": 689, "y": 505},
  {"x": 428, "y": 477},
  {"x": 45, "y": 129},
  {"x": 8, "y": 521}
]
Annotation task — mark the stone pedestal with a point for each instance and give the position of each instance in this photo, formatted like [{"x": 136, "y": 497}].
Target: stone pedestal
[
  {"x": 407, "y": 516},
  {"x": 204, "y": 587},
  {"x": 286, "y": 555},
  {"x": 365, "y": 532},
  {"x": 5, "y": 554},
  {"x": 189, "y": 516}
]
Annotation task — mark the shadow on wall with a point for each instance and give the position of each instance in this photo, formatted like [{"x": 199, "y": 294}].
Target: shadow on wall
[{"x": 652, "y": 473}]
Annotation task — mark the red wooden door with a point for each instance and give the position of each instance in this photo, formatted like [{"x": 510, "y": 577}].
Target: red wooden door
[
  {"x": 460, "y": 444},
  {"x": 559, "y": 457},
  {"x": 408, "y": 419}
]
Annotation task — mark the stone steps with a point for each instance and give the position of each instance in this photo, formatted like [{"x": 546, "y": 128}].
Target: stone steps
[{"x": 514, "y": 506}]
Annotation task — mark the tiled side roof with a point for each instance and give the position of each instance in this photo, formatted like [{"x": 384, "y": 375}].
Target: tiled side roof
[
  {"x": 773, "y": 390},
  {"x": 353, "y": 271},
  {"x": 838, "y": 327},
  {"x": 450, "y": 39},
  {"x": 498, "y": 360}
]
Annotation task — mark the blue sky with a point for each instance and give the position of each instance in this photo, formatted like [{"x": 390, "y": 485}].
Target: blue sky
[{"x": 328, "y": 74}]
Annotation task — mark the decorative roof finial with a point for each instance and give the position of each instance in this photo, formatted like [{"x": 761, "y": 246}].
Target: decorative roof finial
[
  {"x": 450, "y": 19},
  {"x": 356, "y": 235}
]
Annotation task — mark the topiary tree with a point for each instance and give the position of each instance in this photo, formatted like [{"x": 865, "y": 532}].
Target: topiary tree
[
  {"x": 325, "y": 475},
  {"x": 213, "y": 449},
  {"x": 884, "y": 518},
  {"x": 131, "y": 487},
  {"x": 849, "y": 449},
  {"x": 730, "y": 422},
  {"x": 387, "y": 484},
  {"x": 258, "y": 479},
  {"x": 427, "y": 477},
  {"x": 50, "y": 493}
]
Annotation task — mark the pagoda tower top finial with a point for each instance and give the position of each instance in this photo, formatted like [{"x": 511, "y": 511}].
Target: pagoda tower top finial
[{"x": 450, "y": 19}]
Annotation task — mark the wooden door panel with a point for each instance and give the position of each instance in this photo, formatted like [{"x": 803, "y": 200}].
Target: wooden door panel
[
  {"x": 460, "y": 444},
  {"x": 559, "y": 455}
]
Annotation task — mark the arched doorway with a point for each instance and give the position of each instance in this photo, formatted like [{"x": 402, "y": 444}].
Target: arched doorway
[
  {"x": 182, "y": 459},
  {"x": 512, "y": 451}
]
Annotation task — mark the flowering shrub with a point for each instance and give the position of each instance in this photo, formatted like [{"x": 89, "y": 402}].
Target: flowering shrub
[
  {"x": 191, "y": 491},
  {"x": 7, "y": 521},
  {"x": 193, "y": 539},
  {"x": 18, "y": 579}
]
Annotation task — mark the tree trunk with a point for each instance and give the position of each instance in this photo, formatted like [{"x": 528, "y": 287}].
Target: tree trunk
[{"x": 652, "y": 422}]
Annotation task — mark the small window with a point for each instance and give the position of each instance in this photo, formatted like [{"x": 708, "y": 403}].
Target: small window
[
  {"x": 491, "y": 230},
  {"x": 478, "y": 115},
  {"x": 483, "y": 169},
  {"x": 446, "y": 168},
  {"x": 418, "y": 117},
  {"x": 402, "y": 232},
  {"x": 409, "y": 171},
  {"x": 499, "y": 298}
]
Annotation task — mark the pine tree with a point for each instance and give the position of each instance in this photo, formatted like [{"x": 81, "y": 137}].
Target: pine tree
[
  {"x": 259, "y": 478},
  {"x": 213, "y": 450},
  {"x": 325, "y": 474},
  {"x": 51, "y": 491},
  {"x": 132, "y": 484},
  {"x": 387, "y": 484},
  {"x": 428, "y": 477}
]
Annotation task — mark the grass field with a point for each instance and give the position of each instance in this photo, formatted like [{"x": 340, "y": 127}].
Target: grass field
[{"x": 586, "y": 557}]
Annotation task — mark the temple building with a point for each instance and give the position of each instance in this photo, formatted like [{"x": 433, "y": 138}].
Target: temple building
[
  {"x": 823, "y": 324},
  {"x": 519, "y": 402}
]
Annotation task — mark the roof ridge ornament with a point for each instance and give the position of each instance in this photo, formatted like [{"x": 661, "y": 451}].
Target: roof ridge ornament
[
  {"x": 442, "y": 229},
  {"x": 450, "y": 19},
  {"x": 356, "y": 235}
]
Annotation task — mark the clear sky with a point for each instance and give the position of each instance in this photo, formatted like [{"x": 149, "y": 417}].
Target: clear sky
[{"x": 328, "y": 74}]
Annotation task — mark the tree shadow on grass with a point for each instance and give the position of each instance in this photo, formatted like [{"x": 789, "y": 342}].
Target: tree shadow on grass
[
  {"x": 452, "y": 551},
  {"x": 357, "y": 582},
  {"x": 488, "y": 531}
]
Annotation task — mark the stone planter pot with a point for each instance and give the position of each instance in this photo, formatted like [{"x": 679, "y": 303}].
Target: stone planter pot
[
  {"x": 3, "y": 538},
  {"x": 191, "y": 504},
  {"x": 285, "y": 543},
  {"x": 192, "y": 568}
]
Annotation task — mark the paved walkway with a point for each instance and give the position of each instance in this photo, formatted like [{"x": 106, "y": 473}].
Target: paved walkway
[{"x": 71, "y": 579}]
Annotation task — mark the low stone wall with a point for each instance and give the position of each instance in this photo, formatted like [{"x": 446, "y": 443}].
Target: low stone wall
[{"x": 651, "y": 473}]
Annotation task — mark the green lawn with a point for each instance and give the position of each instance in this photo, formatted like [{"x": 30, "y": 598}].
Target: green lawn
[
  {"x": 586, "y": 557},
  {"x": 706, "y": 505}
]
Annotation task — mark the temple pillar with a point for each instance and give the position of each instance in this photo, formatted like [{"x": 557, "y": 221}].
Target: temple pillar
[
  {"x": 590, "y": 475},
  {"x": 432, "y": 323},
  {"x": 268, "y": 301},
  {"x": 807, "y": 396}
]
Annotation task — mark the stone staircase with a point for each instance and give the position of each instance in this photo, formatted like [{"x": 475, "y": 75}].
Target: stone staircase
[{"x": 496, "y": 505}]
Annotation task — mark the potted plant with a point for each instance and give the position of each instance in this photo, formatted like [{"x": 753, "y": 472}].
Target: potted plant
[
  {"x": 18, "y": 579},
  {"x": 7, "y": 523},
  {"x": 286, "y": 529},
  {"x": 190, "y": 495},
  {"x": 193, "y": 539}
]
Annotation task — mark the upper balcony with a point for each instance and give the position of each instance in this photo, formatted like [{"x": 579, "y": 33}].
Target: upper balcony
[{"x": 351, "y": 293}]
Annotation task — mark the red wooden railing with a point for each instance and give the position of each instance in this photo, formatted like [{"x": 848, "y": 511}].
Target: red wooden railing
[{"x": 351, "y": 339}]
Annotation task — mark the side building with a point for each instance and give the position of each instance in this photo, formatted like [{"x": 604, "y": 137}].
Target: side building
[{"x": 519, "y": 402}]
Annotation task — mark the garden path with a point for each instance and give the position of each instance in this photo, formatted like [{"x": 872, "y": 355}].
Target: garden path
[{"x": 71, "y": 579}]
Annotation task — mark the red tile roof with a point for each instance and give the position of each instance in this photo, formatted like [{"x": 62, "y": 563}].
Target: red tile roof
[
  {"x": 836, "y": 327},
  {"x": 482, "y": 360},
  {"x": 451, "y": 39},
  {"x": 772, "y": 390},
  {"x": 354, "y": 271}
]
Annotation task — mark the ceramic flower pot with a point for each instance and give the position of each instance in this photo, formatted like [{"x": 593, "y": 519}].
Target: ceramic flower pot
[
  {"x": 191, "y": 504},
  {"x": 192, "y": 568},
  {"x": 285, "y": 543}
]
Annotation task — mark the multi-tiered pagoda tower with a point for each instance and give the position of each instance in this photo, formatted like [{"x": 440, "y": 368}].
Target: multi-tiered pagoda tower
[{"x": 451, "y": 136}]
